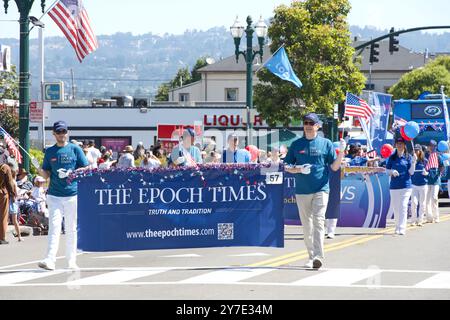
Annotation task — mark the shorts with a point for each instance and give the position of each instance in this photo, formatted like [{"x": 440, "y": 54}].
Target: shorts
[{"x": 13, "y": 208}]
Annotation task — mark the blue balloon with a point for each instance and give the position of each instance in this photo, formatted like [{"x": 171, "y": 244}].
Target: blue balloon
[
  {"x": 442, "y": 146},
  {"x": 412, "y": 129}
]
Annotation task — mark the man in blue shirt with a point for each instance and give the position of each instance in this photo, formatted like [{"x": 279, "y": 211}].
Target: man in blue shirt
[
  {"x": 185, "y": 153},
  {"x": 233, "y": 154},
  {"x": 311, "y": 156},
  {"x": 59, "y": 162}
]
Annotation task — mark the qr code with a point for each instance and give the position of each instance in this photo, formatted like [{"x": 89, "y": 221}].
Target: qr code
[{"x": 225, "y": 231}]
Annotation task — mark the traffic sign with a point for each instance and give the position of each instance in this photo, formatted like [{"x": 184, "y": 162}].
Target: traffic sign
[{"x": 53, "y": 91}]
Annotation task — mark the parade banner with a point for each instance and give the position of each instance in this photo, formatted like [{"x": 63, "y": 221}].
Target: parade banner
[
  {"x": 364, "y": 198},
  {"x": 226, "y": 206}
]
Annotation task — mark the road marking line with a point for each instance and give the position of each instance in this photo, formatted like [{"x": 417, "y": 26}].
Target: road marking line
[
  {"x": 337, "y": 278},
  {"x": 120, "y": 256},
  {"x": 30, "y": 262},
  {"x": 438, "y": 281},
  {"x": 114, "y": 277},
  {"x": 226, "y": 276},
  {"x": 14, "y": 277}
]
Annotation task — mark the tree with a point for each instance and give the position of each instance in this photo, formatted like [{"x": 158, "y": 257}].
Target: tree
[
  {"x": 195, "y": 75},
  {"x": 9, "y": 84},
  {"x": 429, "y": 78},
  {"x": 163, "y": 92},
  {"x": 317, "y": 40},
  {"x": 182, "y": 78},
  {"x": 10, "y": 122}
]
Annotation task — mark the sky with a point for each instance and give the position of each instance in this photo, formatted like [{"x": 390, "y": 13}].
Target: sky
[{"x": 176, "y": 16}]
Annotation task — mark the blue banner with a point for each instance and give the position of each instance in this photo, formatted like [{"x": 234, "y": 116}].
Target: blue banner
[
  {"x": 364, "y": 199},
  {"x": 188, "y": 208},
  {"x": 381, "y": 103}
]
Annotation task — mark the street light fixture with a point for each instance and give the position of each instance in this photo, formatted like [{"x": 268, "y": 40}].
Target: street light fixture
[
  {"x": 24, "y": 7},
  {"x": 237, "y": 31}
]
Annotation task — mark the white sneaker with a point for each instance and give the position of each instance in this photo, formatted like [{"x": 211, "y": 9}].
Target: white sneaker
[
  {"x": 47, "y": 265},
  {"x": 72, "y": 266},
  {"x": 317, "y": 263},
  {"x": 309, "y": 264},
  {"x": 330, "y": 235}
]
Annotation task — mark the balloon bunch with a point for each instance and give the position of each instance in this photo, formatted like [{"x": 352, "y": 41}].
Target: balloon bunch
[{"x": 410, "y": 131}]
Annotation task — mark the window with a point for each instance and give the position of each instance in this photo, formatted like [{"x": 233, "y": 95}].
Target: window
[
  {"x": 184, "y": 97},
  {"x": 231, "y": 94}
]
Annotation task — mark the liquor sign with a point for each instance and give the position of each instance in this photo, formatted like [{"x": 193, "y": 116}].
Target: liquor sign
[{"x": 36, "y": 112}]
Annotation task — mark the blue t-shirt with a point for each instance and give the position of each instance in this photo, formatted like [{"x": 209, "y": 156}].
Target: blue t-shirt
[
  {"x": 357, "y": 161},
  {"x": 402, "y": 165},
  {"x": 193, "y": 151},
  {"x": 69, "y": 157},
  {"x": 318, "y": 152},
  {"x": 238, "y": 156},
  {"x": 418, "y": 179}
]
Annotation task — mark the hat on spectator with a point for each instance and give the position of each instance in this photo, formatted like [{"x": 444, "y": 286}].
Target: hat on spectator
[
  {"x": 128, "y": 149},
  {"x": 39, "y": 179},
  {"x": 60, "y": 125},
  {"x": 22, "y": 171},
  {"x": 433, "y": 143},
  {"x": 400, "y": 139},
  {"x": 417, "y": 147},
  {"x": 312, "y": 117}
]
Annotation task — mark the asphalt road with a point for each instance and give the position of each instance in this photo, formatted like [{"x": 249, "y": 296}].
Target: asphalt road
[{"x": 360, "y": 264}]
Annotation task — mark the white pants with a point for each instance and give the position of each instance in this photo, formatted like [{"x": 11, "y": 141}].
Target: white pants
[
  {"x": 433, "y": 203},
  {"x": 331, "y": 225},
  {"x": 418, "y": 198},
  {"x": 312, "y": 208},
  {"x": 58, "y": 208},
  {"x": 399, "y": 203}
]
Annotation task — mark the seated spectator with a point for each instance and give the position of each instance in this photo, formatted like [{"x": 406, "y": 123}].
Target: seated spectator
[
  {"x": 22, "y": 180},
  {"x": 105, "y": 162},
  {"x": 38, "y": 193},
  {"x": 126, "y": 160},
  {"x": 150, "y": 161}
]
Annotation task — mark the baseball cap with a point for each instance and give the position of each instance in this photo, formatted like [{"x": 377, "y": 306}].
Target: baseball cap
[
  {"x": 59, "y": 125},
  {"x": 417, "y": 147},
  {"x": 312, "y": 117},
  {"x": 188, "y": 131},
  {"x": 433, "y": 143},
  {"x": 400, "y": 139}
]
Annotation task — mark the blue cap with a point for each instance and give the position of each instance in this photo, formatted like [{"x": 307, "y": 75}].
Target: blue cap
[
  {"x": 312, "y": 117},
  {"x": 59, "y": 125},
  {"x": 400, "y": 139}
]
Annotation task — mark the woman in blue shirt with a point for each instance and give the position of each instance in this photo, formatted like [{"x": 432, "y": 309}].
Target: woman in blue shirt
[
  {"x": 419, "y": 188},
  {"x": 400, "y": 166}
]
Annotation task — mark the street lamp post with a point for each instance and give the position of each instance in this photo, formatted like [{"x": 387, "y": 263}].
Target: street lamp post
[
  {"x": 237, "y": 31},
  {"x": 24, "y": 7}
]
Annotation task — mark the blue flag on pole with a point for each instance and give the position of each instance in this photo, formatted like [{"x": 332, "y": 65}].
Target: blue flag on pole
[{"x": 280, "y": 66}]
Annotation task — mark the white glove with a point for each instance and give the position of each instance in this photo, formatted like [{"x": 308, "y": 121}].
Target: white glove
[
  {"x": 180, "y": 160},
  {"x": 305, "y": 169},
  {"x": 394, "y": 173},
  {"x": 414, "y": 158},
  {"x": 35, "y": 163},
  {"x": 63, "y": 173},
  {"x": 425, "y": 172},
  {"x": 342, "y": 145}
]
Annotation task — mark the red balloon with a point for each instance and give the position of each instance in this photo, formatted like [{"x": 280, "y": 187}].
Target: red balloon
[
  {"x": 404, "y": 136},
  {"x": 386, "y": 150},
  {"x": 337, "y": 151},
  {"x": 254, "y": 152}
]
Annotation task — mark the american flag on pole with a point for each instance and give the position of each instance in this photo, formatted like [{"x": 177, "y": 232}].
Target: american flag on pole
[
  {"x": 433, "y": 161},
  {"x": 73, "y": 20},
  {"x": 355, "y": 106},
  {"x": 11, "y": 145}
]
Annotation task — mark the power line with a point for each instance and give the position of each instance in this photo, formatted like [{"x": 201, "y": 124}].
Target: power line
[{"x": 109, "y": 79}]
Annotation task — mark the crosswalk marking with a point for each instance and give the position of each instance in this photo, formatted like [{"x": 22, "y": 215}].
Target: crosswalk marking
[
  {"x": 337, "y": 278},
  {"x": 227, "y": 276},
  {"x": 115, "y": 277},
  {"x": 438, "y": 281},
  {"x": 15, "y": 277}
]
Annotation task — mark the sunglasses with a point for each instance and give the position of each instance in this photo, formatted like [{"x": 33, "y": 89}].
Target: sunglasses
[
  {"x": 61, "y": 132},
  {"x": 308, "y": 123}
]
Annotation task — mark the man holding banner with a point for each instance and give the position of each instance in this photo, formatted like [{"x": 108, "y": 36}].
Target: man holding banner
[
  {"x": 310, "y": 158},
  {"x": 60, "y": 161}
]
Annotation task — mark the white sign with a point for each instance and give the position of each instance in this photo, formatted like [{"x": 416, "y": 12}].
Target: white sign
[{"x": 5, "y": 58}]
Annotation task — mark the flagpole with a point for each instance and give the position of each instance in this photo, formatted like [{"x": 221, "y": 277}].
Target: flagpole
[
  {"x": 49, "y": 8},
  {"x": 447, "y": 121},
  {"x": 264, "y": 64}
]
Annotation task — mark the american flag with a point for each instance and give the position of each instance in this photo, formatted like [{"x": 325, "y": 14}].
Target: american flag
[
  {"x": 398, "y": 122},
  {"x": 355, "y": 106},
  {"x": 433, "y": 161},
  {"x": 11, "y": 145},
  {"x": 73, "y": 20}
]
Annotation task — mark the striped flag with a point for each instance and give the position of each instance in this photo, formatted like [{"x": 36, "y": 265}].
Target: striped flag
[
  {"x": 73, "y": 20},
  {"x": 355, "y": 106},
  {"x": 433, "y": 161},
  {"x": 11, "y": 145}
]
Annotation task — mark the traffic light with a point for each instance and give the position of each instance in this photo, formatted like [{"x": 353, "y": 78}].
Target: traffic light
[
  {"x": 393, "y": 42},
  {"x": 374, "y": 52}
]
